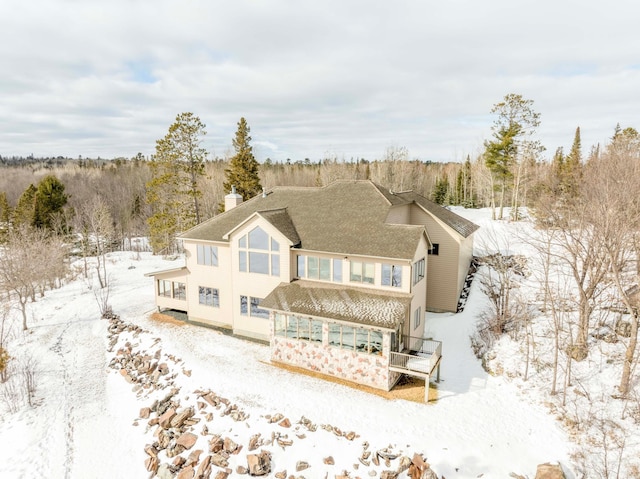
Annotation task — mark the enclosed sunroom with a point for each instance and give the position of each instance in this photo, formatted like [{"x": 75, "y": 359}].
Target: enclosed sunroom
[{"x": 355, "y": 334}]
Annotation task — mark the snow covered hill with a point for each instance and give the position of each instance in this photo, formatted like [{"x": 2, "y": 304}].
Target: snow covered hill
[{"x": 85, "y": 419}]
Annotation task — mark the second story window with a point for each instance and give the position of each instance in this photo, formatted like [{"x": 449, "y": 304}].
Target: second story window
[
  {"x": 207, "y": 255},
  {"x": 258, "y": 253},
  {"x": 418, "y": 270},
  {"x": 323, "y": 269},
  {"x": 362, "y": 272},
  {"x": 391, "y": 275}
]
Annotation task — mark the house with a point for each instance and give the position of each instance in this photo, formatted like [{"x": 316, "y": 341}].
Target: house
[{"x": 337, "y": 278}]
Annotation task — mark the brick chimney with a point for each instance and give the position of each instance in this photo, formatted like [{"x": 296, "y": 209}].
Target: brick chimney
[{"x": 232, "y": 200}]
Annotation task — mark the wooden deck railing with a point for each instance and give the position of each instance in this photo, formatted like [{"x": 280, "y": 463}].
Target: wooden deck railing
[{"x": 420, "y": 357}]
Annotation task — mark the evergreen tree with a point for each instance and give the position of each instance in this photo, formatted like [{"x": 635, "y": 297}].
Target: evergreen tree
[
  {"x": 49, "y": 200},
  {"x": 173, "y": 191},
  {"x": 572, "y": 167},
  {"x": 243, "y": 167},
  {"x": 441, "y": 191},
  {"x": 23, "y": 213},
  {"x": 5, "y": 209},
  {"x": 5, "y": 218},
  {"x": 508, "y": 155}
]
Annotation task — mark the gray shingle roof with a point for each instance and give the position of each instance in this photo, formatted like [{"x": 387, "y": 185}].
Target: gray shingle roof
[
  {"x": 359, "y": 305},
  {"x": 461, "y": 225},
  {"x": 345, "y": 217}
]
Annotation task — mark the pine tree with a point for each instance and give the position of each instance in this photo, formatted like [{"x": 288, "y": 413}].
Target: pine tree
[
  {"x": 173, "y": 191},
  {"x": 49, "y": 200},
  {"x": 243, "y": 167},
  {"x": 24, "y": 211},
  {"x": 5, "y": 216},
  {"x": 441, "y": 191},
  {"x": 572, "y": 167}
]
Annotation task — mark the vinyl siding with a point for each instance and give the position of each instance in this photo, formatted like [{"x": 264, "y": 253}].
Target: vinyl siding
[{"x": 443, "y": 288}]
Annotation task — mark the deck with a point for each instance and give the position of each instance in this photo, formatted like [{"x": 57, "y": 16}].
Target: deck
[{"x": 420, "y": 358}]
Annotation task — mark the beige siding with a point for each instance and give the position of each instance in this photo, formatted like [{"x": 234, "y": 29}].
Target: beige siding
[
  {"x": 443, "y": 288},
  {"x": 420, "y": 294},
  {"x": 254, "y": 284},
  {"x": 212, "y": 277}
]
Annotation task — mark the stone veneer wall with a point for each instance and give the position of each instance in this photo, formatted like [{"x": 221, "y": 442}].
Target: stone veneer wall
[{"x": 367, "y": 369}]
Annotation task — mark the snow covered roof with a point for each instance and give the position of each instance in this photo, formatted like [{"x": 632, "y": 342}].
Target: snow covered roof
[
  {"x": 345, "y": 217},
  {"x": 357, "y": 305}
]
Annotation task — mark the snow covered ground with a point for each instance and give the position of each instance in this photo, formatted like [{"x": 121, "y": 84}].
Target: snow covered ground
[{"x": 82, "y": 425}]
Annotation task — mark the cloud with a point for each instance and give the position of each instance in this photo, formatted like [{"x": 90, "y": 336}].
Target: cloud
[{"x": 351, "y": 78}]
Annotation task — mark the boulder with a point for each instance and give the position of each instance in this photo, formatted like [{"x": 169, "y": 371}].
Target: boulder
[
  {"x": 186, "y": 473},
  {"x": 165, "y": 420},
  {"x": 229, "y": 445},
  {"x": 259, "y": 464},
  {"x": 302, "y": 465},
  {"x": 285, "y": 423},
  {"x": 204, "y": 470},
  {"x": 187, "y": 440},
  {"x": 179, "y": 419},
  {"x": 549, "y": 471},
  {"x": 329, "y": 461},
  {"x": 145, "y": 412},
  {"x": 151, "y": 463},
  {"x": 194, "y": 457},
  {"x": 219, "y": 460}
]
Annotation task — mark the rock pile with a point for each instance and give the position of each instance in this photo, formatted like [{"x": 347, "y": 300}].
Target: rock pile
[{"x": 193, "y": 441}]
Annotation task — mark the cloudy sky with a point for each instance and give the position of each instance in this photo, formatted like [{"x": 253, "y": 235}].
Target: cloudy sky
[{"x": 314, "y": 79}]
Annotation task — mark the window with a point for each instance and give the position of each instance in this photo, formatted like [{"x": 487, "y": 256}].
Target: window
[
  {"x": 179, "y": 291},
  {"x": 249, "y": 307},
  {"x": 256, "y": 311},
  {"x": 417, "y": 315},
  {"x": 361, "y": 340},
  {"x": 324, "y": 269},
  {"x": 208, "y": 296},
  {"x": 172, "y": 289},
  {"x": 435, "y": 248},
  {"x": 207, "y": 255},
  {"x": 392, "y": 275},
  {"x": 258, "y": 262},
  {"x": 337, "y": 270},
  {"x": 243, "y": 306},
  {"x": 295, "y": 327},
  {"x": 362, "y": 272},
  {"x": 164, "y": 288},
  {"x": 312, "y": 267},
  {"x": 418, "y": 270},
  {"x": 265, "y": 260}
]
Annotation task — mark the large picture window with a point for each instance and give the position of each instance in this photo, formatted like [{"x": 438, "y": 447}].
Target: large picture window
[
  {"x": 258, "y": 253},
  {"x": 207, "y": 255}
]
